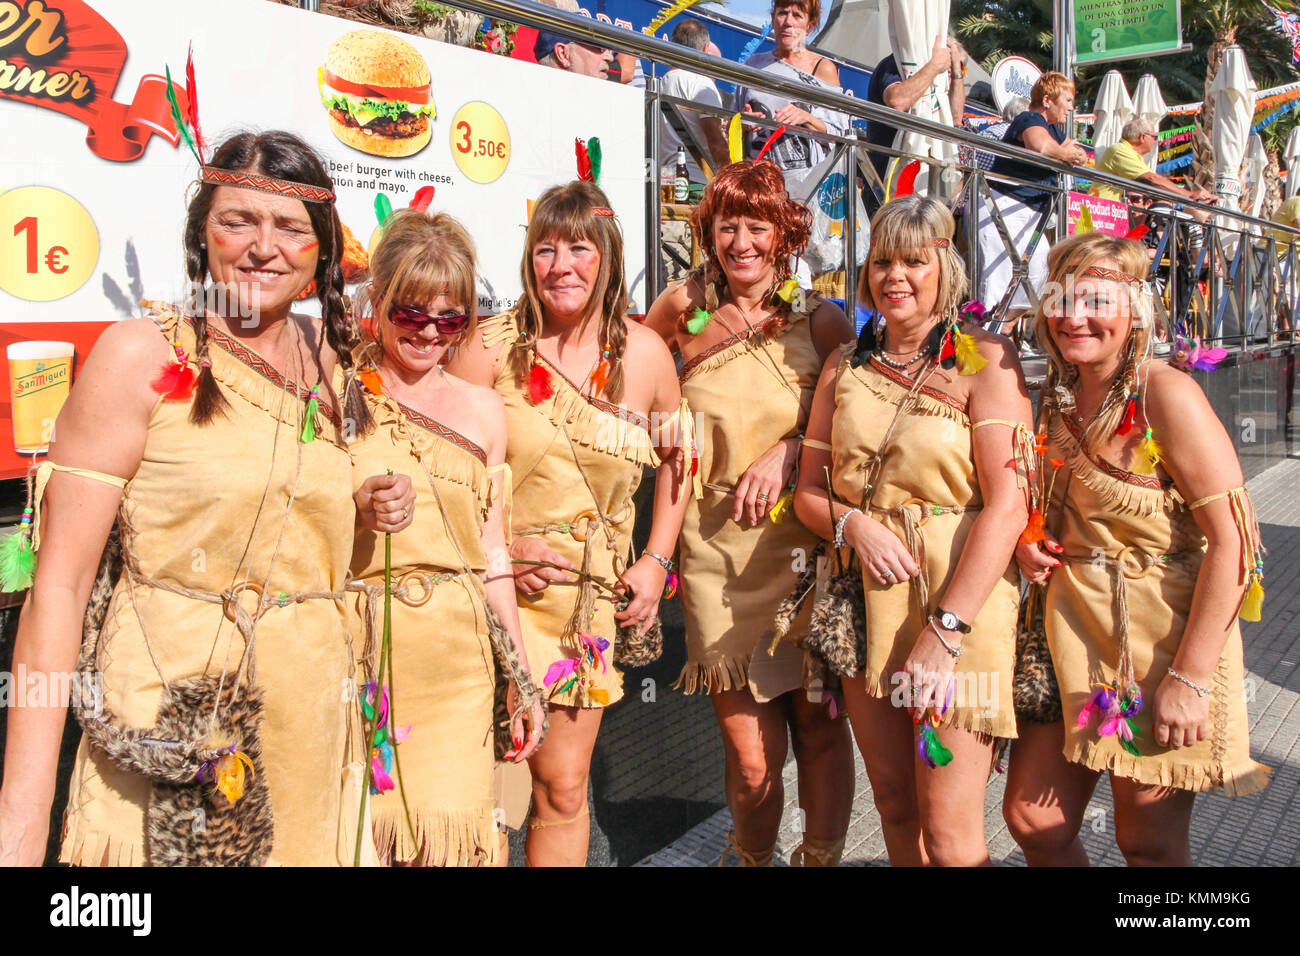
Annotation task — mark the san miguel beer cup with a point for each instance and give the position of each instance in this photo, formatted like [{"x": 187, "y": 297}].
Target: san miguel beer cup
[{"x": 40, "y": 375}]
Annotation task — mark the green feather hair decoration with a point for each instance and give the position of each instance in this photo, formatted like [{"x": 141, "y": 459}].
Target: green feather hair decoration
[
  {"x": 383, "y": 208},
  {"x": 309, "y": 420},
  {"x": 179, "y": 119},
  {"x": 593, "y": 151}
]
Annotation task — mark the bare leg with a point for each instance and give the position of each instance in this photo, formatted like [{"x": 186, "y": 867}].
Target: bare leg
[
  {"x": 951, "y": 800},
  {"x": 884, "y": 736},
  {"x": 560, "y": 826},
  {"x": 1046, "y": 797},
  {"x": 1152, "y": 824},
  {"x": 823, "y": 752},
  {"x": 754, "y": 737}
]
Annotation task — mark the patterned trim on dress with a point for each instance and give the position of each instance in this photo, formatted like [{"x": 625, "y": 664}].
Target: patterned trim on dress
[
  {"x": 261, "y": 366},
  {"x": 618, "y": 411},
  {"x": 727, "y": 343},
  {"x": 898, "y": 378},
  {"x": 442, "y": 431},
  {"x": 1114, "y": 471}
]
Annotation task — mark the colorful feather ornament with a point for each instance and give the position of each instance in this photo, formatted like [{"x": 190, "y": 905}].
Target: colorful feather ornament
[
  {"x": 178, "y": 118},
  {"x": 670, "y": 585},
  {"x": 698, "y": 320},
  {"x": 1252, "y": 606},
  {"x": 969, "y": 360},
  {"x": 17, "y": 558},
  {"x": 1138, "y": 233},
  {"x": 375, "y": 708},
  {"x": 1148, "y": 455},
  {"x": 584, "y": 161},
  {"x": 771, "y": 141},
  {"x": 600, "y": 375},
  {"x": 1115, "y": 714},
  {"x": 226, "y": 773},
  {"x": 975, "y": 309},
  {"x": 1192, "y": 356},
  {"x": 1035, "y": 529},
  {"x": 371, "y": 380},
  {"x": 906, "y": 184},
  {"x": 422, "y": 199},
  {"x": 309, "y": 417},
  {"x": 597, "y": 158},
  {"x": 736, "y": 138},
  {"x": 665, "y": 15},
  {"x": 175, "y": 380},
  {"x": 1084, "y": 222},
  {"x": 192, "y": 103},
  {"x": 540, "y": 387},
  {"x": 928, "y": 745},
  {"x": 1129, "y": 417},
  {"x": 779, "y": 510},
  {"x": 383, "y": 208}
]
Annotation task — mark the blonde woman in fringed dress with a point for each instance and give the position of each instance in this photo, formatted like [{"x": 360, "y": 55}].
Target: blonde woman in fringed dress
[
  {"x": 1148, "y": 558},
  {"x": 236, "y": 523},
  {"x": 923, "y": 425},
  {"x": 583, "y": 423},
  {"x": 753, "y": 345},
  {"x": 449, "y": 437}
]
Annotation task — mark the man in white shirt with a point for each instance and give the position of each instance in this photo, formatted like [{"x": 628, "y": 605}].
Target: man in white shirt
[{"x": 683, "y": 84}]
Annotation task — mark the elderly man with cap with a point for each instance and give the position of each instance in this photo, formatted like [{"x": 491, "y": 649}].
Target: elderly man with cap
[
  {"x": 1124, "y": 159},
  {"x": 572, "y": 55}
]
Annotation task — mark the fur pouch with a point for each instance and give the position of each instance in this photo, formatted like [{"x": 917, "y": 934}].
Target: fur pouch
[
  {"x": 1034, "y": 690},
  {"x": 509, "y": 668},
  {"x": 837, "y": 632},
  {"x": 633, "y": 650}
]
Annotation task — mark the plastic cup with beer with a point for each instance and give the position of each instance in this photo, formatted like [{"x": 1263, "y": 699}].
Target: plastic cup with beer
[{"x": 40, "y": 375}]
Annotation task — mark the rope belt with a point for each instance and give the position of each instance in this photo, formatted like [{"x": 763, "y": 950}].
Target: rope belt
[
  {"x": 914, "y": 513},
  {"x": 1116, "y": 566},
  {"x": 402, "y": 591}
]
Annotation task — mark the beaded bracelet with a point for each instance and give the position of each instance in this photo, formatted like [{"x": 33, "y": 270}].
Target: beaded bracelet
[
  {"x": 1200, "y": 691},
  {"x": 839, "y": 526}
]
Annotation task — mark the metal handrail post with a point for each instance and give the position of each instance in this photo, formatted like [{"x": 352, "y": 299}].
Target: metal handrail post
[{"x": 654, "y": 181}]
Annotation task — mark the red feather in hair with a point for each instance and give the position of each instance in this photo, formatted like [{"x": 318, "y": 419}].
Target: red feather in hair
[
  {"x": 422, "y": 199},
  {"x": 584, "y": 161},
  {"x": 192, "y": 97},
  {"x": 907, "y": 179},
  {"x": 540, "y": 387},
  {"x": 776, "y": 134},
  {"x": 1138, "y": 233},
  {"x": 174, "y": 381}
]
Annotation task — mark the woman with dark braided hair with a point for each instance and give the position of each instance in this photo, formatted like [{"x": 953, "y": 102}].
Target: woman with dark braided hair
[
  {"x": 753, "y": 344},
  {"x": 223, "y": 658},
  {"x": 582, "y": 424}
]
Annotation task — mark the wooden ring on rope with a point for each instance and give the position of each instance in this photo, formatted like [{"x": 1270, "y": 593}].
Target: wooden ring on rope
[
  {"x": 228, "y": 601},
  {"x": 573, "y": 524},
  {"x": 425, "y": 586}
]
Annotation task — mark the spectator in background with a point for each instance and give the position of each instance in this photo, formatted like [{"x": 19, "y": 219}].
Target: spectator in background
[
  {"x": 888, "y": 88},
  {"x": 1023, "y": 207},
  {"x": 995, "y": 131},
  {"x": 683, "y": 84},
  {"x": 1125, "y": 159},
  {"x": 571, "y": 56}
]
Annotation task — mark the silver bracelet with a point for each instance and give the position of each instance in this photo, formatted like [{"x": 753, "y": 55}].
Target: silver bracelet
[
  {"x": 1200, "y": 691},
  {"x": 839, "y": 526},
  {"x": 954, "y": 651},
  {"x": 668, "y": 564}
]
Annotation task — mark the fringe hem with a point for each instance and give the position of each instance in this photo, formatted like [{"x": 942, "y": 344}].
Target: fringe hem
[
  {"x": 893, "y": 393},
  {"x": 730, "y": 673},
  {"x": 769, "y": 331},
  {"x": 1123, "y": 496},
  {"x": 971, "y": 719},
  {"x": 96, "y": 848},
  {"x": 1199, "y": 778},
  {"x": 448, "y": 837}
]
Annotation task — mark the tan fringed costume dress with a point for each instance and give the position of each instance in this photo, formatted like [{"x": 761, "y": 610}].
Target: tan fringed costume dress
[
  {"x": 575, "y": 463},
  {"x": 751, "y": 390},
  {"x": 927, "y": 492},
  {"x": 194, "y": 516},
  {"x": 1131, "y": 542},
  {"x": 443, "y": 669}
]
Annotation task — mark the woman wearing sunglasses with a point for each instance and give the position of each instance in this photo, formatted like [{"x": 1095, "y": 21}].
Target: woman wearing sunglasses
[
  {"x": 583, "y": 425},
  {"x": 453, "y": 597}
]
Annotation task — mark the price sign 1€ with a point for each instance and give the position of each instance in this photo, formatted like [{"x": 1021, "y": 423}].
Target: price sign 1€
[
  {"x": 480, "y": 142},
  {"x": 48, "y": 243}
]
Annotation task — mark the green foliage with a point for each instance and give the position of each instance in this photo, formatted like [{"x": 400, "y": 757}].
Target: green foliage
[
  {"x": 993, "y": 30},
  {"x": 426, "y": 11}
]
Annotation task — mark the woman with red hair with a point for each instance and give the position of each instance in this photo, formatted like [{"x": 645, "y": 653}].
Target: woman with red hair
[{"x": 746, "y": 331}]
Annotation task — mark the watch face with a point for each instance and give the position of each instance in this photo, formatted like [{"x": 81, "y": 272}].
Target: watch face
[{"x": 949, "y": 621}]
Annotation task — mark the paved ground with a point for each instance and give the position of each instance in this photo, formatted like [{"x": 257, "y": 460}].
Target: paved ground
[{"x": 1245, "y": 831}]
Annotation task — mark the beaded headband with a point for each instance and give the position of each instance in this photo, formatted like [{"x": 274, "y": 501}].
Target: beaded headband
[
  {"x": 602, "y": 211},
  {"x": 266, "y": 184},
  {"x": 940, "y": 242},
  {"x": 1097, "y": 272}
]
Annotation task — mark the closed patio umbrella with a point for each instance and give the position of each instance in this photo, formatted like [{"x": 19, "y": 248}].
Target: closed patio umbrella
[
  {"x": 1114, "y": 108},
  {"x": 1233, "y": 95},
  {"x": 1291, "y": 158},
  {"x": 1149, "y": 104},
  {"x": 913, "y": 27}
]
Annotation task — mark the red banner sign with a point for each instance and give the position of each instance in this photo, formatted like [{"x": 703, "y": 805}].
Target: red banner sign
[{"x": 69, "y": 60}]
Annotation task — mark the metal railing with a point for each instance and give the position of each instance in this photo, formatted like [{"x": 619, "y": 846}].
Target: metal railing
[{"x": 1222, "y": 278}]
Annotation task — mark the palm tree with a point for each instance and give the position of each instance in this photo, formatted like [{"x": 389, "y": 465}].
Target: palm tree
[{"x": 993, "y": 30}]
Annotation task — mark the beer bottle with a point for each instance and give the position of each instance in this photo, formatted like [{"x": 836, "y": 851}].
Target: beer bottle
[{"x": 681, "y": 179}]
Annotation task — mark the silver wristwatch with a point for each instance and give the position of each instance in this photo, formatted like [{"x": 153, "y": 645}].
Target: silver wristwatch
[{"x": 950, "y": 622}]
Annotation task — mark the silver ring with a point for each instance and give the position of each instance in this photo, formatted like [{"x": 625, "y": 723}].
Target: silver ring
[
  {"x": 405, "y": 514},
  {"x": 886, "y": 573},
  {"x": 763, "y": 496}
]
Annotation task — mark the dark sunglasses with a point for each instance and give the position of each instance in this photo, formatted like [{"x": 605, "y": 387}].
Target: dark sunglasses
[{"x": 413, "y": 320}]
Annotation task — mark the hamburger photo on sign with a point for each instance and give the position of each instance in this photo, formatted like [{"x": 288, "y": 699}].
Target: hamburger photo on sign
[{"x": 377, "y": 89}]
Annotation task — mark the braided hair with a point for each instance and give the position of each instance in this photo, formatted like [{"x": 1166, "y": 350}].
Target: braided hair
[
  {"x": 283, "y": 156},
  {"x": 569, "y": 212}
]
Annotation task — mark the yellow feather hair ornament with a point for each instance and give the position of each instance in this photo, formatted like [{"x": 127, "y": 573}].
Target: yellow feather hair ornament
[
  {"x": 736, "y": 139},
  {"x": 969, "y": 360},
  {"x": 1148, "y": 455}
]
